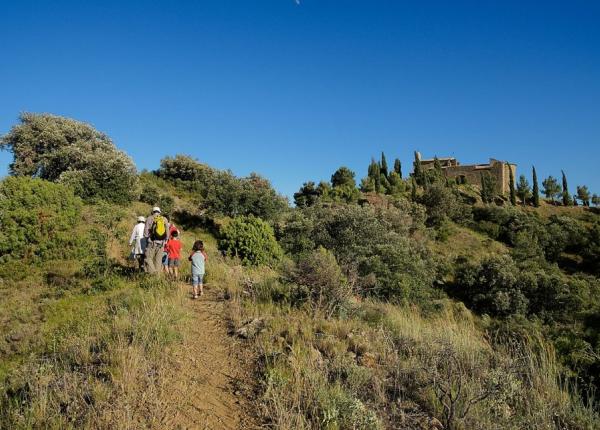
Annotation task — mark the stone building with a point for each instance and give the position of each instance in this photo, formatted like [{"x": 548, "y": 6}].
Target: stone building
[{"x": 471, "y": 173}]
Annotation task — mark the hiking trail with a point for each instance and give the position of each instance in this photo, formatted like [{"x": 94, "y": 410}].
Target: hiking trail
[{"x": 210, "y": 376}]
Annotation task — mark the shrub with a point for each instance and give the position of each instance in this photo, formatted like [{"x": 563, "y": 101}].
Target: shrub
[
  {"x": 318, "y": 272},
  {"x": 491, "y": 286},
  {"x": 62, "y": 149},
  {"x": 37, "y": 220},
  {"x": 251, "y": 239},
  {"x": 221, "y": 192}
]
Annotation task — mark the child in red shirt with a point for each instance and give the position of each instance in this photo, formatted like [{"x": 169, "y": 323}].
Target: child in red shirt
[{"x": 173, "y": 248}]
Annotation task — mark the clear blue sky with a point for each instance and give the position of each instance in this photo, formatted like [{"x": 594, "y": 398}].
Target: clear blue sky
[{"x": 293, "y": 91}]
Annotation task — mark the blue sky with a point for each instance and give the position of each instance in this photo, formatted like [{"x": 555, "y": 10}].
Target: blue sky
[{"x": 293, "y": 91}]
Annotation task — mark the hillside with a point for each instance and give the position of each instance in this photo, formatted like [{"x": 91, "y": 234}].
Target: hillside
[{"x": 405, "y": 303}]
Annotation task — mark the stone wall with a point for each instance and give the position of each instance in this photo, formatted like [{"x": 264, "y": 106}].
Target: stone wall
[{"x": 472, "y": 173}]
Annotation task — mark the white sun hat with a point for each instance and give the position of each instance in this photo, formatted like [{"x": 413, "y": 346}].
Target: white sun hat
[
  {"x": 141, "y": 219},
  {"x": 155, "y": 209}
]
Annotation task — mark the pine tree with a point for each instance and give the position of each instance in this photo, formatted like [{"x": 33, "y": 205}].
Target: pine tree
[
  {"x": 523, "y": 190},
  {"x": 536, "y": 190},
  {"x": 583, "y": 194},
  {"x": 511, "y": 184},
  {"x": 551, "y": 188},
  {"x": 398, "y": 167},
  {"x": 384, "y": 166},
  {"x": 417, "y": 169},
  {"x": 566, "y": 197},
  {"x": 596, "y": 200}
]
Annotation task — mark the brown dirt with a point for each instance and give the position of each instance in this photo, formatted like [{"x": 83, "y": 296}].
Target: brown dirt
[{"x": 212, "y": 385}]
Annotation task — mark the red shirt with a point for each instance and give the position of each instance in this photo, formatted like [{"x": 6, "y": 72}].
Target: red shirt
[{"x": 173, "y": 248}]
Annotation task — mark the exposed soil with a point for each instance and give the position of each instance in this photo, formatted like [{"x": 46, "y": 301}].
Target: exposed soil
[{"x": 212, "y": 377}]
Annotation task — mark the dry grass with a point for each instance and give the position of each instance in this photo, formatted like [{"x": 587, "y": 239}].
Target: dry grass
[{"x": 385, "y": 366}]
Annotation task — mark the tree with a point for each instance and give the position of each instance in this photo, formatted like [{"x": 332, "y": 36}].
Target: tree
[
  {"x": 536, "y": 190},
  {"x": 574, "y": 200},
  {"x": 596, "y": 200},
  {"x": 566, "y": 197},
  {"x": 418, "y": 169},
  {"x": 438, "y": 173},
  {"x": 583, "y": 194},
  {"x": 308, "y": 195},
  {"x": 384, "y": 166},
  {"x": 398, "y": 167},
  {"x": 343, "y": 177},
  {"x": 523, "y": 190},
  {"x": 552, "y": 188},
  {"x": 511, "y": 182},
  {"x": 413, "y": 190},
  {"x": 488, "y": 188},
  {"x": 374, "y": 177},
  {"x": 64, "y": 150}
]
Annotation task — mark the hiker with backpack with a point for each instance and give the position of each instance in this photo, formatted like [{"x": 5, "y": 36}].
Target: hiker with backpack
[{"x": 157, "y": 234}]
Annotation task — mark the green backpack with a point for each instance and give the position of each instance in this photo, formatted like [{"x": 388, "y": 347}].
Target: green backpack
[{"x": 159, "y": 228}]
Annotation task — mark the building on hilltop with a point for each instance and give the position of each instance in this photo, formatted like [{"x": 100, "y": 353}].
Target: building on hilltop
[{"x": 472, "y": 173}]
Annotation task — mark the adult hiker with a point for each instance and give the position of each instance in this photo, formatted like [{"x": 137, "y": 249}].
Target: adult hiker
[
  {"x": 138, "y": 241},
  {"x": 157, "y": 233}
]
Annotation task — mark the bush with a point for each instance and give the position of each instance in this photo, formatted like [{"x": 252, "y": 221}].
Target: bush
[
  {"x": 221, "y": 192},
  {"x": 491, "y": 286},
  {"x": 374, "y": 245},
  {"x": 328, "y": 289},
  {"x": 251, "y": 239},
  {"x": 62, "y": 149},
  {"x": 37, "y": 220}
]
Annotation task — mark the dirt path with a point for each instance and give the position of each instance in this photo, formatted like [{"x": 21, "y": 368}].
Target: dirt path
[{"x": 211, "y": 378}]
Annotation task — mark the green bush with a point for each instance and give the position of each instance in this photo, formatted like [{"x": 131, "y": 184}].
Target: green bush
[
  {"x": 64, "y": 150},
  {"x": 222, "y": 193},
  {"x": 38, "y": 220},
  {"x": 251, "y": 239},
  {"x": 321, "y": 277}
]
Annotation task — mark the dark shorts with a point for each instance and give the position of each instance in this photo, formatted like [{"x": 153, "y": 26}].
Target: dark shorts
[
  {"x": 173, "y": 262},
  {"x": 165, "y": 259}
]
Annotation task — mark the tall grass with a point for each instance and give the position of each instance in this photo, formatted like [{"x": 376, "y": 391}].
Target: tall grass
[{"x": 385, "y": 366}]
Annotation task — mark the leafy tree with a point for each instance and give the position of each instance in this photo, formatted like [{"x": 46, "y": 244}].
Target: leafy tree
[
  {"x": 384, "y": 165},
  {"x": 552, "y": 189},
  {"x": 65, "y": 150},
  {"x": 596, "y": 200},
  {"x": 367, "y": 185},
  {"x": 511, "y": 184},
  {"x": 574, "y": 200},
  {"x": 183, "y": 168},
  {"x": 491, "y": 286},
  {"x": 583, "y": 194},
  {"x": 398, "y": 167},
  {"x": 488, "y": 188},
  {"x": 441, "y": 204},
  {"x": 373, "y": 182},
  {"x": 536, "y": 190},
  {"x": 251, "y": 239},
  {"x": 523, "y": 190},
  {"x": 308, "y": 195},
  {"x": 343, "y": 177},
  {"x": 566, "y": 197},
  {"x": 222, "y": 193}
]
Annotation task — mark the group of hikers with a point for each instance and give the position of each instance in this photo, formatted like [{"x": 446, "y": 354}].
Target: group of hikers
[{"x": 157, "y": 249}]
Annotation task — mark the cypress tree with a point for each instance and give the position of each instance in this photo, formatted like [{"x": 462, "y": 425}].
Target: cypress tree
[
  {"x": 566, "y": 197},
  {"x": 398, "y": 167},
  {"x": 417, "y": 170},
  {"x": 384, "y": 166},
  {"x": 536, "y": 190},
  {"x": 513, "y": 194},
  {"x": 413, "y": 191}
]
